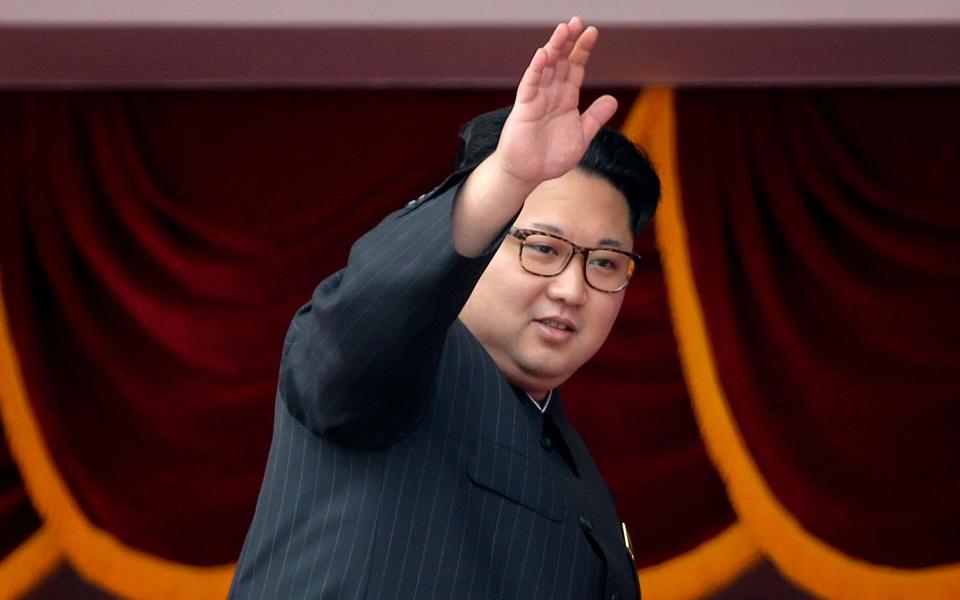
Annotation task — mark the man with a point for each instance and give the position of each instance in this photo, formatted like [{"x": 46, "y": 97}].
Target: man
[{"x": 420, "y": 449}]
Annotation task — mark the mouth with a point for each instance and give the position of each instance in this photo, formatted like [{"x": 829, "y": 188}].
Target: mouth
[
  {"x": 557, "y": 323},
  {"x": 556, "y": 328}
]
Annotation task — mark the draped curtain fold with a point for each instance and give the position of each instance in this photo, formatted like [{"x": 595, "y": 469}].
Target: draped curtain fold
[
  {"x": 27, "y": 550},
  {"x": 814, "y": 239},
  {"x": 154, "y": 247}
]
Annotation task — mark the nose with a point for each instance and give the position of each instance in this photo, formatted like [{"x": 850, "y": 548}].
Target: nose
[{"x": 569, "y": 285}]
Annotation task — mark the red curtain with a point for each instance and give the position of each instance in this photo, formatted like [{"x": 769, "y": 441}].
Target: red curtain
[
  {"x": 17, "y": 517},
  {"x": 824, "y": 238},
  {"x": 154, "y": 247}
]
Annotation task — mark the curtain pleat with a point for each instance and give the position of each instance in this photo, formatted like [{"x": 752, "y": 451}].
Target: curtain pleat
[
  {"x": 793, "y": 325},
  {"x": 811, "y": 278},
  {"x": 154, "y": 247}
]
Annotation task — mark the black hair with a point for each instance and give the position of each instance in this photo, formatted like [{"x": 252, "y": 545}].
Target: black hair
[{"x": 611, "y": 155}]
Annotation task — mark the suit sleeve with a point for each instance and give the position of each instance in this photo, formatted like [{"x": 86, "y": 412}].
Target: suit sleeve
[{"x": 359, "y": 357}]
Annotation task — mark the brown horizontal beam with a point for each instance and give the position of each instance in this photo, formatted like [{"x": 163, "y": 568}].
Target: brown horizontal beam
[{"x": 184, "y": 56}]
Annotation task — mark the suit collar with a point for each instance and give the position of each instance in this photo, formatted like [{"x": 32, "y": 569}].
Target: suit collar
[{"x": 553, "y": 423}]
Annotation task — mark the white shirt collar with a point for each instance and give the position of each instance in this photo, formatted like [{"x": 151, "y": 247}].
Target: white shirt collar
[{"x": 546, "y": 402}]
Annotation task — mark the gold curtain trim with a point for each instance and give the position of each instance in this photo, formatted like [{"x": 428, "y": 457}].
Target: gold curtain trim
[
  {"x": 708, "y": 567},
  {"x": 801, "y": 556},
  {"x": 718, "y": 561},
  {"x": 97, "y": 555},
  {"x": 28, "y": 564}
]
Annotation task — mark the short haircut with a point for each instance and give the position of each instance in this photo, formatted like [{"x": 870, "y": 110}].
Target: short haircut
[{"x": 611, "y": 155}]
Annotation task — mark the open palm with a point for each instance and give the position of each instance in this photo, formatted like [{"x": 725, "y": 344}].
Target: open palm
[{"x": 545, "y": 135}]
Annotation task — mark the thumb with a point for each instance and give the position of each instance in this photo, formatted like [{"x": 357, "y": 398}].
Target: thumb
[{"x": 596, "y": 116}]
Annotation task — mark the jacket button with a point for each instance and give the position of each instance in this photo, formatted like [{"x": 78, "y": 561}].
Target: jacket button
[
  {"x": 586, "y": 524},
  {"x": 546, "y": 444},
  {"x": 616, "y": 596}
]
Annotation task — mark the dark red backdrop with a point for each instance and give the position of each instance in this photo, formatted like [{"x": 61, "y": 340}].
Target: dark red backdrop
[
  {"x": 824, "y": 232},
  {"x": 154, "y": 247}
]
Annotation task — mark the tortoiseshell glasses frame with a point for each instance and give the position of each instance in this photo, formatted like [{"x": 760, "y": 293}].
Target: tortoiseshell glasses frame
[{"x": 618, "y": 278}]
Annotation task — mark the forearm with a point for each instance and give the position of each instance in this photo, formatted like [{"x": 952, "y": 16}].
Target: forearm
[{"x": 488, "y": 201}]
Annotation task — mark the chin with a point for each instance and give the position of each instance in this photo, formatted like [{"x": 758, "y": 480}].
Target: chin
[{"x": 542, "y": 373}]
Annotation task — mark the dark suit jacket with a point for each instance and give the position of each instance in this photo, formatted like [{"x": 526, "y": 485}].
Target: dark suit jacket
[{"x": 403, "y": 464}]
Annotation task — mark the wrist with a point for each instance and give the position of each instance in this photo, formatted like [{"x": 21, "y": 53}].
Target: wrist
[
  {"x": 486, "y": 203},
  {"x": 512, "y": 184}
]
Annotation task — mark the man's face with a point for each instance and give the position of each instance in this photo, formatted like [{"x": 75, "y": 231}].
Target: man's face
[{"x": 510, "y": 309}]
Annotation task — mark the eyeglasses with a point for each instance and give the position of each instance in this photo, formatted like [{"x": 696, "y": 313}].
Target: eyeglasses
[{"x": 546, "y": 254}]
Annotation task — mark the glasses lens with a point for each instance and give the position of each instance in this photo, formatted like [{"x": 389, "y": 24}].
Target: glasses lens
[
  {"x": 608, "y": 270},
  {"x": 544, "y": 255}
]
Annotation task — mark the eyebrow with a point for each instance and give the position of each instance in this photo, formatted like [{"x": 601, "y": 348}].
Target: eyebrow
[{"x": 604, "y": 242}]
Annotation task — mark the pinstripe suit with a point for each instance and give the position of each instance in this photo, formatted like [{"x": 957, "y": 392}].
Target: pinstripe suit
[{"x": 403, "y": 464}]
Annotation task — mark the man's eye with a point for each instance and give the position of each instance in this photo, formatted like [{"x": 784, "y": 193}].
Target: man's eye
[
  {"x": 604, "y": 263},
  {"x": 542, "y": 248}
]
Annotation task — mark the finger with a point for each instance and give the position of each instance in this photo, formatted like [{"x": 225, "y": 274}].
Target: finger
[
  {"x": 556, "y": 43},
  {"x": 548, "y": 75},
  {"x": 561, "y": 69},
  {"x": 585, "y": 43},
  {"x": 596, "y": 116},
  {"x": 530, "y": 82},
  {"x": 574, "y": 74},
  {"x": 574, "y": 29},
  {"x": 576, "y": 70}
]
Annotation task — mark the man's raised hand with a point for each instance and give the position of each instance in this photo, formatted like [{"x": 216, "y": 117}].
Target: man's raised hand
[{"x": 545, "y": 135}]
